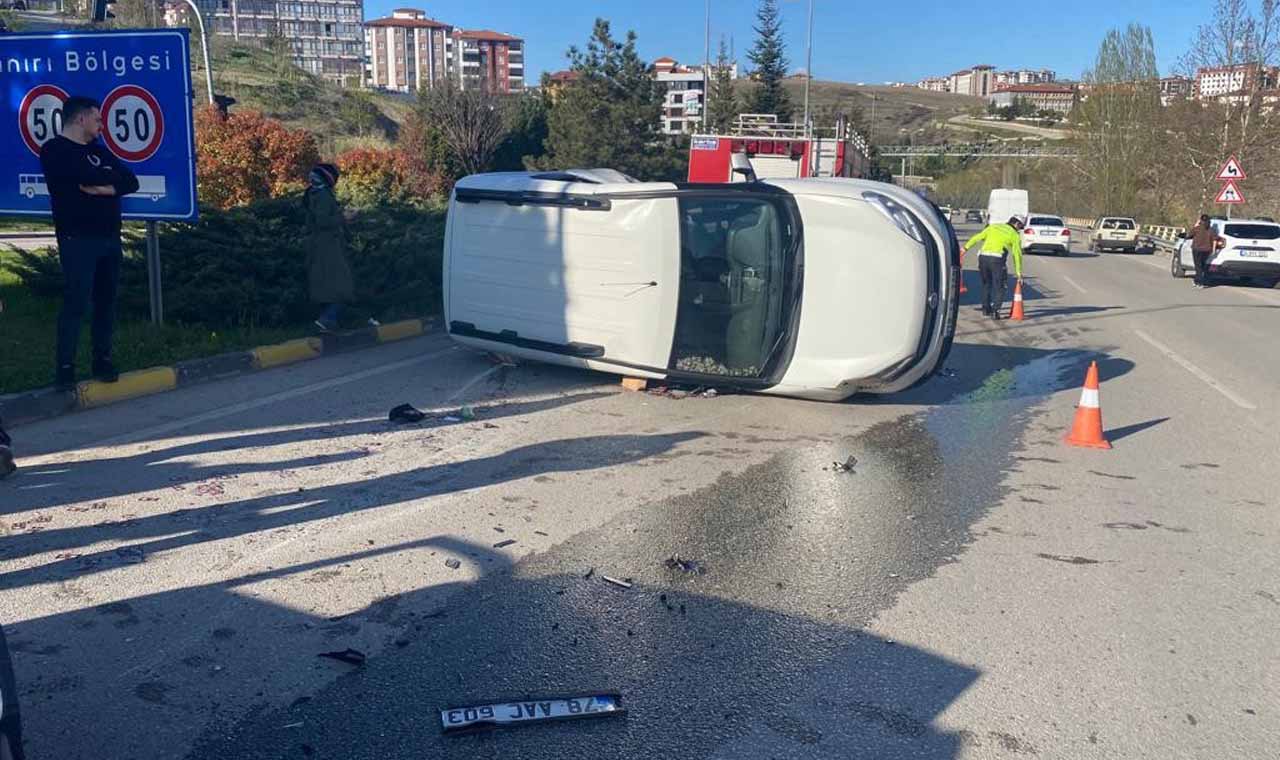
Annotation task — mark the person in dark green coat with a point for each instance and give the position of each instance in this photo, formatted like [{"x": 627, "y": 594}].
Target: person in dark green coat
[{"x": 328, "y": 273}]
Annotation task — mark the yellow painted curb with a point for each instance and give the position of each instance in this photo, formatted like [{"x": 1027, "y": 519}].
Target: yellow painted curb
[
  {"x": 286, "y": 353},
  {"x": 399, "y": 330},
  {"x": 143, "y": 382}
]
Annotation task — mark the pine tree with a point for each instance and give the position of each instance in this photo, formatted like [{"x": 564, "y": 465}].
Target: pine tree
[
  {"x": 724, "y": 106},
  {"x": 611, "y": 114},
  {"x": 769, "y": 55}
]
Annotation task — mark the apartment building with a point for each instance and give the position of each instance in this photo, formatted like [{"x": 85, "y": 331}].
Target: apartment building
[
  {"x": 1175, "y": 88},
  {"x": 1024, "y": 76},
  {"x": 408, "y": 50},
  {"x": 979, "y": 81},
  {"x": 1045, "y": 97},
  {"x": 484, "y": 58},
  {"x": 326, "y": 37},
  {"x": 1232, "y": 80},
  {"x": 935, "y": 84},
  {"x": 683, "y": 98}
]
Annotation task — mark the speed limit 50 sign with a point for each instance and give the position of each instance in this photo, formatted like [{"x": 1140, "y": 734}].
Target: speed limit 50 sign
[{"x": 142, "y": 79}]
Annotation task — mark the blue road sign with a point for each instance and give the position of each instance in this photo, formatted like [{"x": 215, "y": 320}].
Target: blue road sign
[{"x": 143, "y": 81}]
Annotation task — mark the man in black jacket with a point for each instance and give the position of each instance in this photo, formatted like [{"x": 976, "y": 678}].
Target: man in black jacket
[{"x": 85, "y": 184}]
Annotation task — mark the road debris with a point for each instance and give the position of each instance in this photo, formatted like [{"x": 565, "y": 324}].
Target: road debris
[
  {"x": 590, "y": 573},
  {"x": 452, "y": 564},
  {"x": 689, "y": 566},
  {"x": 131, "y": 554},
  {"x": 504, "y": 544},
  {"x": 525, "y": 711},
  {"x": 846, "y": 466},
  {"x": 620, "y": 583},
  {"x": 348, "y": 655},
  {"x": 405, "y": 414},
  {"x": 467, "y": 413}
]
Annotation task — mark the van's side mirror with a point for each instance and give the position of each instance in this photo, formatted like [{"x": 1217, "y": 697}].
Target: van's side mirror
[{"x": 741, "y": 165}]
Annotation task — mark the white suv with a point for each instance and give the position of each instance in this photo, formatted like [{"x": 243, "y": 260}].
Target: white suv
[
  {"x": 1250, "y": 249},
  {"x": 1046, "y": 234}
]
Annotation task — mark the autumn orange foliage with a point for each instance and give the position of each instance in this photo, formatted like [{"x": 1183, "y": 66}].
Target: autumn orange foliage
[{"x": 243, "y": 157}]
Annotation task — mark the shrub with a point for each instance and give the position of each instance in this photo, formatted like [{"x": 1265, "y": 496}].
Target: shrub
[
  {"x": 373, "y": 176},
  {"x": 245, "y": 157},
  {"x": 246, "y": 266}
]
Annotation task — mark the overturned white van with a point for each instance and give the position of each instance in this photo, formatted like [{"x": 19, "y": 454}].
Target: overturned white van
[{"x": 817, "y": 288}]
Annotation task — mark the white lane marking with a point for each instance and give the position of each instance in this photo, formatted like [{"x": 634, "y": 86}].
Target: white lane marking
[
  {"x": 1074, "y": 284},
  {"x": 274, "y": 398},
  {"x": 1254, "y": 294},
  {"x": 1208, "y": 379}
]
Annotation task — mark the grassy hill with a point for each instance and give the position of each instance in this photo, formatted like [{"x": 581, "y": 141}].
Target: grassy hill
[
  {"x": 895, "y": 108},
  {"x": 263, "y": 80}
]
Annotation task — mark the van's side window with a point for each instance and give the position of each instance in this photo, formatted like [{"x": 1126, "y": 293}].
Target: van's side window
[{"x": 732, "y": 285}]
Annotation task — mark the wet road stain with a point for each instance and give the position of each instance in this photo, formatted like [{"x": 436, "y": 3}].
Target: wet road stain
[
  {"x": 1192, "y": 719},
  {"x": 1069, "y": 559},
  {"x": 1111, "y": 475},
  {"x": 152, "y": 691}
]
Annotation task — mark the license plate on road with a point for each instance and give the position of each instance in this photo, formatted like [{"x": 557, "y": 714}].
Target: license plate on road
[{"x": 530, "y": 711}]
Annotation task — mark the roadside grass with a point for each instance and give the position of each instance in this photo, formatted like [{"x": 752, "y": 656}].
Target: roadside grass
[{"x": 27, "y": 336}]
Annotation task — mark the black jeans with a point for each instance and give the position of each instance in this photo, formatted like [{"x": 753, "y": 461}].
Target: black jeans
[
  {"x": 994, "y": 280},
  {"x": 91, "y": 272},
  {"x": 1201, "y": 259}
]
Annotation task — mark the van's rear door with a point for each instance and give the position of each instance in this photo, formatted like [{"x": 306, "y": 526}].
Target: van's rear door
[{"x": 565, "y": 268}]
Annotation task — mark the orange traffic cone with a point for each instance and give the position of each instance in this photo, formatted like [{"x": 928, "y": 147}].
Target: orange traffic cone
[
  {"x": 1087, "y": 430},
  {"x": 963, "y": 289},
  {"x": 1017, "y": 302}
]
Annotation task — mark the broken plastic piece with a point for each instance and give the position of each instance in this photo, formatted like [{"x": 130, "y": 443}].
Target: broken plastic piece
[
  {"x": 690, "y": 566},
  {"x": 845, "y": 466},
  {"x": 348, "y": 655},
  {"x": 452, "y": 564},
  {"x": 406, "y": 413},
  {"x": 616, "y": 582},
  {"x": 502, "y": 544}
]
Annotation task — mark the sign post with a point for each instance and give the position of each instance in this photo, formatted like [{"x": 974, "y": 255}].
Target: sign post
[
  {"x": 142, "y": 79},
  {"x": 1230, "y": 173}
]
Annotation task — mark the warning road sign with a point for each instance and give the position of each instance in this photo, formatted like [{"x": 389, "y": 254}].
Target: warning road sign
[
  {"x": 1231, "y": 170},
  {"x": 1229, "y": 194}
]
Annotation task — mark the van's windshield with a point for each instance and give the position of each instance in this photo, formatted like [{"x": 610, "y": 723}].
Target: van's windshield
[{"x": 733, "y": 285}]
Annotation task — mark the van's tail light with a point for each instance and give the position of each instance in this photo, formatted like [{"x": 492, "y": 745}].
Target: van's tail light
[{"x": 1067, "y": 233}]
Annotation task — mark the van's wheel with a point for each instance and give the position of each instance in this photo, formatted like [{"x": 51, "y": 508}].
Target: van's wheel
[{"x": 1175, "y": 268}]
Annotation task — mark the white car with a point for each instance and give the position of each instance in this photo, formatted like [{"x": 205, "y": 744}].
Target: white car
[
  {"x": 1251, "y": 249},
  {"x": 1046, "y": 234},
  {"x": 817, "y": 288}
]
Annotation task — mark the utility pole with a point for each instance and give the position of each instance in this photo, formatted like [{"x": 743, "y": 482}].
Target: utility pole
[
  {"x": 808, "y": 68},
  {"x": 706, "y": 67}
]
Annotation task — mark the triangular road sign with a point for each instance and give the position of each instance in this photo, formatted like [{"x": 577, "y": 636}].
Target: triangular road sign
[
  {"x": 1231, "y": 170},
  {"x": 1229, "y": 194}
]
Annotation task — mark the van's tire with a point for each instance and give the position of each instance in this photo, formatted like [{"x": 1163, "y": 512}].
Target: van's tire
[{"x": 1175, "y": 267}]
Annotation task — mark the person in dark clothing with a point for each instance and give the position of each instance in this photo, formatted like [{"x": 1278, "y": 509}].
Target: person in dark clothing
[
  {"x": 7, "y": 467},
  {"x": 328, "y": 273},
  {"x": 85, "y": 184},
  {"x": 1204, "y": 242}
]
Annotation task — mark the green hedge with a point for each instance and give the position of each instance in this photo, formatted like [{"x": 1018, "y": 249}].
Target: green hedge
[{"x": 247, "y": 267}]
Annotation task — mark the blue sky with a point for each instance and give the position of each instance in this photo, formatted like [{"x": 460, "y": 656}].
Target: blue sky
[{"x": 854, "y": 40}]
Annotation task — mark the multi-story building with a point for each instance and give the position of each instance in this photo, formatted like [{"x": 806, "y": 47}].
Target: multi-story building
[
  {"x": 326, "y": 36},
  {"x": 935, "y": 84},
  {"x": 1175, "y": 88},
  {"x": 484, "y": 58},
  {"x": 1024, "y": 76},
  {"x": 979, "y": 80},
  {"x": 406, "y": 51},
  {"x": 684, "y": 97},
  {"x": 1232, "y": 80},
  {"x": 1045, "y": 97}
]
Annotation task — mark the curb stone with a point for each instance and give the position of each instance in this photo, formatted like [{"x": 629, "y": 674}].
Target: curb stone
[{"x": 45, "y": 403}]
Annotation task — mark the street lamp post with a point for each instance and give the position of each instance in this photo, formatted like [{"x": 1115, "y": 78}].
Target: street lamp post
[{"x": 808, "y": 68}]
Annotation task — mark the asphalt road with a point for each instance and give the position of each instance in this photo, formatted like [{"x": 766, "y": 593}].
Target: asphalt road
[{"x": 172, "y": 567}]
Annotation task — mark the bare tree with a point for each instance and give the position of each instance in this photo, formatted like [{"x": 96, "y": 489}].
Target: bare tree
[
  {"x": 1242, "y": 36},
  {"x": 472, "y": 122}
]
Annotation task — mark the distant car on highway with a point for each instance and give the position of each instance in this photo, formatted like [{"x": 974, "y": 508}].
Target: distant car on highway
[
  {"x": 10, "y": 718},
  {"x": 1046, "y": 234},
  {"x": 817, "y": 287},
  {"x": 1250, "y": 250},
  {"x": 973, "y": 215},
  {"x": 946, "y": 211},
  {"x": 1114, "y": 233}
]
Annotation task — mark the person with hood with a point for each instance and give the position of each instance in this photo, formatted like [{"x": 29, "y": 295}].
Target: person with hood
[{"x": 328, "y": 273}]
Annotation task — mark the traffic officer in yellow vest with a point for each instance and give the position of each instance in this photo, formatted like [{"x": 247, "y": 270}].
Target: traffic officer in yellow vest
[{"x": 998, "y": 242}]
